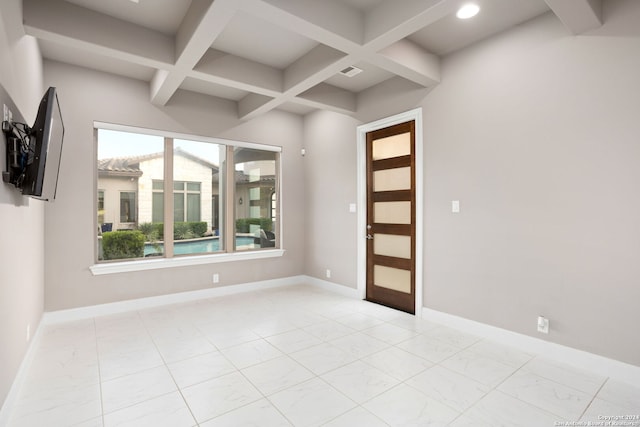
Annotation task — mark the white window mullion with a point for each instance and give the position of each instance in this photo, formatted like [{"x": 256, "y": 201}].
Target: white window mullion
[{"x": 168, "y": 197}]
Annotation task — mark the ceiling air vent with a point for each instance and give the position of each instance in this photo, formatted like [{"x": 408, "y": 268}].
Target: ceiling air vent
[{"x": 351, "y": 71}]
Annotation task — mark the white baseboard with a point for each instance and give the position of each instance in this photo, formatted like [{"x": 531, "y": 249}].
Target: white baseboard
[
  {"x": 333, "y": 287},
  {"x": 600, "y": 365},
  {"x": 72, "y": 314},
  {"x": 52, "y": 317},
  {"x": 14, "y": 391}
]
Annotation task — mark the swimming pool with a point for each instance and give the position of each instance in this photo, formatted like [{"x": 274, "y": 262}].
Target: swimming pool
[{"x": 198, "y": 246}]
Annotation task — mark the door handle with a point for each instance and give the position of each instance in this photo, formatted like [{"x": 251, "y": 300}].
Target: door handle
[{"x": 369, "y": 237}]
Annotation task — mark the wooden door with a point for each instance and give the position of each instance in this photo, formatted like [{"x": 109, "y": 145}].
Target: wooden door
[{"x": 391, "y": 217}]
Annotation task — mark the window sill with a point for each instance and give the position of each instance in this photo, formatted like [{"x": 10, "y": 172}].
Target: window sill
[{"x": 154, "y": 264}]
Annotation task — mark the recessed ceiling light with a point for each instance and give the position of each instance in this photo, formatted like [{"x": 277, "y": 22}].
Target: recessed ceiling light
[
  {"x": 135, "y": 1},
  {"x": 468, "y": 10}
]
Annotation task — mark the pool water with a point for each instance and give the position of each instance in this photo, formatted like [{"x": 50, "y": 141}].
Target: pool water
[{"x": 198, "y": 246}]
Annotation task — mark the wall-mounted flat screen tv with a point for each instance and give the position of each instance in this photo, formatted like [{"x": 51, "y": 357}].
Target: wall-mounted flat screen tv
[{"x": 33, "y": 153}]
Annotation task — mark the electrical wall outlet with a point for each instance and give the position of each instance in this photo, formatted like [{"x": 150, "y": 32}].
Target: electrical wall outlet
[
  {"x": 543, "y": 325},
  {"x": 328, "y": 274},
  {"x": 216, "y": 278}
]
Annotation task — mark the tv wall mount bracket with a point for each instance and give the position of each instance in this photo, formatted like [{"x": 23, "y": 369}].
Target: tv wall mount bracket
[{"x": 18, "y": 141}]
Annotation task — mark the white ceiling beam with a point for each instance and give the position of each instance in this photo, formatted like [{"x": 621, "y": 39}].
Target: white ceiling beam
[
  {"x": 13, "y": 27},
  {"x": 309, "y": 71},
  {"x": 254, "y": 105},
  {"x": 578, "y": 15},
  {"x": 315, "y": 61},
  {"x": 322, "y": 105},
  {"x": 202, "y": 24},
  {"x": 407, "y": 59},
  {"x": 191, "y": 22},
  {"x": 326, "y": 94},
  {"x": 396, "y": 92},
  {"x": 239, "y": 73},
  {"x": 164, "y": 85},
  {"x": 310, "y": 90},
  {"x": 65, "y": 23}
]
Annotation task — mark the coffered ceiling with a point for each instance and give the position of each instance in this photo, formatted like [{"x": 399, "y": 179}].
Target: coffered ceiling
[{"x": 285, "y": 54}]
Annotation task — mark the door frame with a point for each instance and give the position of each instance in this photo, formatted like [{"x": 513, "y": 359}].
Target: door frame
[{"x": 362, "y": 130}]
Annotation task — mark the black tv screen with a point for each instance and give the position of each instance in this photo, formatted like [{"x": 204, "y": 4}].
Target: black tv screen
[{"x": 45, "y": 149}]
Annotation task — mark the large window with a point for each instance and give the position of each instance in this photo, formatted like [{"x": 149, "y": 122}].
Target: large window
[
  {"x": 213, "y": 209},
  {"x": 255, "y": 181}
]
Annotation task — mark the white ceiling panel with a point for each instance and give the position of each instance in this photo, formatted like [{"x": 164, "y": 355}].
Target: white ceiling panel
[
  {"x": 253, "y": 38},
  {"x": 213, "y": 89},
  {"x": 163, "y": 16},
  {"x": 370, "y": 76},
  {"x": 450, "y": 34},
  {"x": 88, "y": 59},
  {"x": 363, "y": 5}
]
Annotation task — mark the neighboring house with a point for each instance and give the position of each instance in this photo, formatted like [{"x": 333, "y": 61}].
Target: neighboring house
[
  {"x": 255, "y": 190},
  {"x": 130, "y": 190}
]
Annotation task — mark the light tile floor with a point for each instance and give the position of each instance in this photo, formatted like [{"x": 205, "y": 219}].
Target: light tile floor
[{"x": 297, "y": 356}]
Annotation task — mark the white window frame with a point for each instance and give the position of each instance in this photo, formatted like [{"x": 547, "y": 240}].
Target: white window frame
[{"x": 181, "y": 261}]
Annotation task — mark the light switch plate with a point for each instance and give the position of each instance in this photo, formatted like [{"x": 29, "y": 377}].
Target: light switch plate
[{"x": 455, "y": 206}]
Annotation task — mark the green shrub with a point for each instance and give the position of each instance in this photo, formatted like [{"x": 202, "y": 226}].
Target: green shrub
[
  {"x": 159, "y": 226},
  {"x": 243, "y": 225},
  {"x": 198, "y": 228},
  {"x": 150, "y": 231},
  {"x": 182, "y": 230},
  {"x": 123, "y": 244}
]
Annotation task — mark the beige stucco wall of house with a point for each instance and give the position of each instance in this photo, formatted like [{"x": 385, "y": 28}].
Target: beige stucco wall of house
[{"x": 151, "y": 169}]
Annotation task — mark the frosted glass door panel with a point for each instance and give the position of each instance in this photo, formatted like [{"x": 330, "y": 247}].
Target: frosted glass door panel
[
  {"x": 392, "y": 212},
  {"x": 392, "y": 179},
  {"x": 392, "y": 146},
  {"x": 392, "y": 278},
  {"x": 392, "y": 245}
]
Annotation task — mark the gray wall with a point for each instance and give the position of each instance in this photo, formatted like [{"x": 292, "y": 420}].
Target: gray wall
[
  {"x": 21, "y": 218},
  {"x": 86, "y": 96},
  {"x": 536, "y": 132},
  {"x": 330, "y": 162}
]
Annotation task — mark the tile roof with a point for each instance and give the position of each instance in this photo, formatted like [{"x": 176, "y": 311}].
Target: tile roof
[{"x": 130, "y": 166}]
